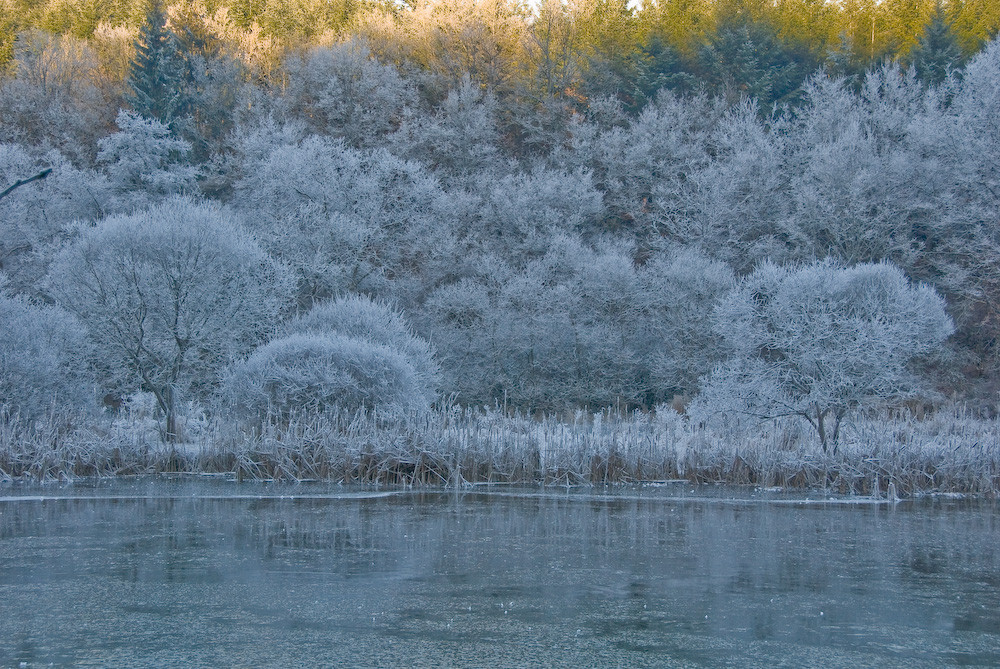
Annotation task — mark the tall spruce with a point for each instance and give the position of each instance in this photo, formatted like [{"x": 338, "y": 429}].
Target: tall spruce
[
  {"x": 157, "y": 73},
  {"x": 746, "y": 56},
  {"x": 937, "y": 52}
]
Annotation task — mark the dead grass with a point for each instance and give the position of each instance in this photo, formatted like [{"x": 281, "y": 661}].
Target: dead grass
[{"x": 948, "y": 452}]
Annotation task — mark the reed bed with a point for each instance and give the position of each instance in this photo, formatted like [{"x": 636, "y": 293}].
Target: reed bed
[{"x": 947, "y": 452}]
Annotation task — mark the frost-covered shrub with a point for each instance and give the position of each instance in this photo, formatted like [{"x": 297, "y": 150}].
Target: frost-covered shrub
[
  {"x": 315, "y": 372},
  {"x": 350, "y": 353},
  {"x": 42, "y": 360},
  {"x": 374, "y": 321}
]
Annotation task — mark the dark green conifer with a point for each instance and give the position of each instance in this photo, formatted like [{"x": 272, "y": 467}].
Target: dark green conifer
[
  {"x": 663, "y": 66},
  {"x": 746, "y": 57},
  {"x": 157, "y": 73},
  {"x": 937, "y": 52}
]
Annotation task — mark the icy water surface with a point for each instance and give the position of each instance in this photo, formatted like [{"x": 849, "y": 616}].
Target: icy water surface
[{"x": 215, "y": 574}]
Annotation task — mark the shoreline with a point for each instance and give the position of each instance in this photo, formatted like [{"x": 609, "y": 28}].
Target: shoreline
[{"x": 948, "y": 453}]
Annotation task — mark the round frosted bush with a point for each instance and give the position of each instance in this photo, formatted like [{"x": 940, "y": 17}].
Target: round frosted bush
[
  {"x": 315, "y": 372},
  {"x": 358, "y": 317}
]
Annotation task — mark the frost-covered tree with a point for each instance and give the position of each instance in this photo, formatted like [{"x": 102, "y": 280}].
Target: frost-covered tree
[
  {"x": 970, "y": 142},
  {"x": 342, "y": 91},
  {"x": 741, "y": 196},
  {"x": 462, "y": 321},
  {"x": 851, "y": 195},
  {"x": 819, "y": 341},
  {"x": 145, "y": 162},
  {"x": 32, "y": 217},
  {"x": 579, "y": 325},
  {"x": 170, "y": 295},
  {"x": 61, "y": 98},
  {"x": 563, "y": 324},
  {"x": 644, "y": 169},
  {"x": 890, "y": 99},
  {"x": 948, "y": 186},
  {"x": 318, "y": 372},
  {"x": 346, "y": 220},
  {"x": 43, "y": 360},
  {"x": 674, "y": 337},
  {"x": 555, "y": 335},
  {"x": 349, "y": 353},
  {"x": 460, "y": 141}
]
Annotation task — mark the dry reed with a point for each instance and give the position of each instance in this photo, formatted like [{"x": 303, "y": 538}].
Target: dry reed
[{"x": 949, "y": 451}]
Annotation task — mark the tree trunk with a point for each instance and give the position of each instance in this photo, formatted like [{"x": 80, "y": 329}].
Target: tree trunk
[
  {"x": 837, "y": 417},
  {"x": 820, "y": 426},
  {"x": 165, "y": 398}
]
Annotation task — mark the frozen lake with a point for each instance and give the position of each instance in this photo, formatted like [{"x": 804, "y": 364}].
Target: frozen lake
[{"x": 208, "y": 573}]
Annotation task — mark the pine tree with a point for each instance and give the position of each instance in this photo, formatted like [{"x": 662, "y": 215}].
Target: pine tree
[
  {"x": 157, "y": 73},
  {"x": 663, "y": 66},
  {"x": 937, "y": 52},
  {"x": 746, "y": 57},
  {"x": 609, "y": 32}
]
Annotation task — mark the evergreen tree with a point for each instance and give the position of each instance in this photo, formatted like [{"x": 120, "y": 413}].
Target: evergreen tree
[
  {"x": 663, "y": 66},
  {"x": 842, "y": 60},
  {"x": 157, "y": 73},
  {"x": 746, "y": 57},
  {"x": 937, "y": 51},
  {"x": 244, "y": 13},
  {"x": 609, "y": 32}
]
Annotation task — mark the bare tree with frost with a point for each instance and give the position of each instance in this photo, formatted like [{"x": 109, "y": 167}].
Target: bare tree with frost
[
  {"x": 819, "y": 341},
  {"x": 170, "y": 295}
]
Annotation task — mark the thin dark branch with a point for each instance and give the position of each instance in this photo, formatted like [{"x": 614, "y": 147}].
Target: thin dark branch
[{"x": 17, "y": 184}]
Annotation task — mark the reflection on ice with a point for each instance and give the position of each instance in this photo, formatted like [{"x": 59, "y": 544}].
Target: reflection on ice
[{"x": 196, "y": 573}]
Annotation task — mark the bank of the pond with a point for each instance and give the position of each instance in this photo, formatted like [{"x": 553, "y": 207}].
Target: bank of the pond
[{"x": 880, "y": 455}]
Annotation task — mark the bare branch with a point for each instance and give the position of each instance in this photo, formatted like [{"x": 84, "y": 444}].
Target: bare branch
[{"x": 21, "y": 182}]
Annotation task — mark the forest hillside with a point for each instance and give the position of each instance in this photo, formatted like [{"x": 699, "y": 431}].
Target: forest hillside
[{"x": 254, "y": 208}]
